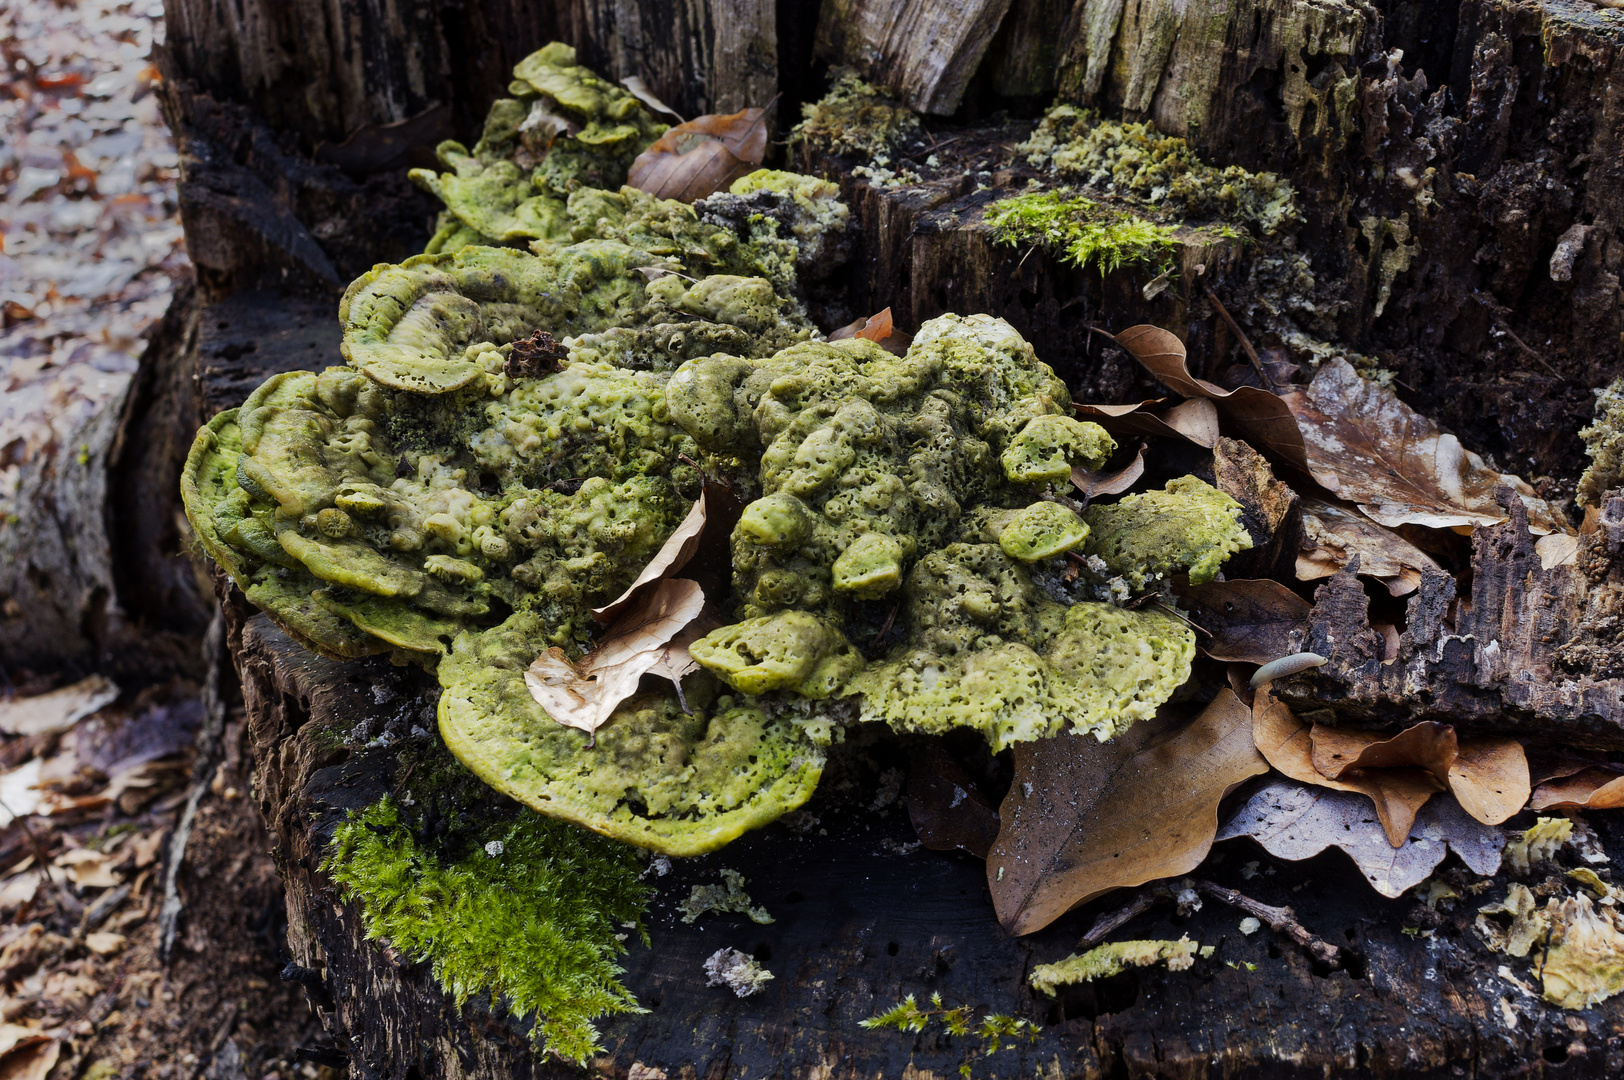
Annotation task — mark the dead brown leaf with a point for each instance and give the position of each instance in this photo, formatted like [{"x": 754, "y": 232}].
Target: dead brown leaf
[
  {"x": 1194, "y": 421},
  {"x": 1334, "y": 534},
  {"x": 879, "y": 329},
  {"x": 673, "y": 555},
  {"x": 1249, "y": 621},
  {"x": 89, "y": 869},
  {"x": 639, "y": 90},
  {"x": 1489, "y": 777},
  {"x": 1111, "y": 483},
  {"x": 1085, "y": 817},
  {"x": 583, "y": 694},
  {"x": 1258, "y": 414},
  {"x": 702, "y": 156},
  {"x": 1366, "y": 446},
  {"x": 30, "y": 1059},
  {"x": 1597, "y": 787},
  {"x": 948, "y": 811},
  {"x": 1285, "y": 741}
]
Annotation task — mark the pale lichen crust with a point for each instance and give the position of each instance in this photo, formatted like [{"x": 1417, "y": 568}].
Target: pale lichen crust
[
  {"x": 1604, "y": 442},
  {"x": 680, "y": 783}
]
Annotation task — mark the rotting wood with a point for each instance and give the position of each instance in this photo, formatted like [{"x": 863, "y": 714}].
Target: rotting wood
[{"x": 925, "y": 50}]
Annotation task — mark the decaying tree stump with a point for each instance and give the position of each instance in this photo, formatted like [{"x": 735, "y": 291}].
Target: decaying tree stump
[{"x": 1462, "y": 205}]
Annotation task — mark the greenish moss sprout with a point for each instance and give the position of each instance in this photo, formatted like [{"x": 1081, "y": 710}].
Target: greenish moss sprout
[
  {"x": 1081, "y": 231},
  {"x": 522, "y": 912}
]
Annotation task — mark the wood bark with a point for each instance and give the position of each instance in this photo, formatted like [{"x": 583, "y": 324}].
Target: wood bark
[{"x": 1300, "y": 86}]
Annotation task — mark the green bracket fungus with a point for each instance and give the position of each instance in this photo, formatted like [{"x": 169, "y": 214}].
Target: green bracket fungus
[
  {"x": 789, "y": 650},
  {"x": 1049, "y": 447},
  {"x": 1188, "y": 525},
  {"x": 679, "y": 783},
  {"x": 1112, "y": 959},
  {"x": 524, "y": 913},
  {"x": 1042, "y": 531}
]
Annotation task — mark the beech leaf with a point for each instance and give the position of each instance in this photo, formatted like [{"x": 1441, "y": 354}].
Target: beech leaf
[
  {"x": 1295, "y": 821},
  {"x": 1261, "y": 416},
  {"x": 948, "y": 811},
  {"x": 876, "y": 328},
  {"x": 639, "y": 90},
  {"x": 1084, "y": 817},
  {"x": 702, "y": 156},
  {"x": 1249, "y": 621},
  {"x": 582, "y": 694},
  {"x": 1366, "y": 446},
  {"x": 1333, "y": 535},
  {"x": 1111, "y": 483},
  {"x": 673, "y": 555},
  {"x": 1194, "y": 421}
]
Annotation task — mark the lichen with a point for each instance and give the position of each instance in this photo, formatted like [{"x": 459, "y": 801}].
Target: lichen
[
  {"x": 727, "y": 897},
  {"x": 1584, "y": 964},
  {"x": 1538, "y": 844},
  {"x": 1604, "y": 442},
  {"x": 1107, "y": 960},
  {"x": 534, "y": 929},
  {"x": 737, "y": 971},
  {"x": 856, "y": 119},
  {"x": 1158, "y": 174},
  {"x": 1081, "y": 230}
]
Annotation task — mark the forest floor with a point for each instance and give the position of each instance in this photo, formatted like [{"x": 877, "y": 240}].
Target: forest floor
[{"x": 93, "y": 782}]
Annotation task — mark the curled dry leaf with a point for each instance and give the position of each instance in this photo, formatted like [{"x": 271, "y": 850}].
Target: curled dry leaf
[
  {"x": 1296, "y": 821},
  {"x": 1596, "y": 787},
  {"x": 1247, "y": 621},
  {"x": 639, "y": 90},
  {"x": 1194, "y": 421},
  {"x": 1285, "y": 741},
  {"x": 702, "y": 156},
  {"x": 583, "y": 694},
  {"x": 948, "y": 811},
  {"x": 1085, "y": 817},
  {"x": 1366, "y": 446},
  {"x": 876, "y": 328},
  {"x": 1258, "y": 414},
  {"x": 1334, "y": 535},
  {"x": 1111, "y": 483},
  {"x": 673, "y": 555}
]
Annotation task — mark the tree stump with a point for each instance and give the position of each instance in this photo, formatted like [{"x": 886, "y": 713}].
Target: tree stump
[{"x": 1506, "y": 114}]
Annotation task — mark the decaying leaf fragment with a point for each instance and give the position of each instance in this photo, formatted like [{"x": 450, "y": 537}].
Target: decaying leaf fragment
[
  {"x": 1259, "y": 415},
  {"x": 1085, "y": 817},
  {"x": 673, "y": 555},
  {"x": 1593, "y": 787},
  {"x": 1108, "y": 960},
  {"x": 1111, "y": 483},
  {"x": 1194, "y": 421},
  {"x": 1297, "y": 821},
  {"x": 1247, "y": 621},
  {"x": 1366, "y": 446},
  {"x": 946, "y": 808},
  {"x": 878, "y": 328},
  {"x": 1530, "y": 923},
  {"x": 702, "y": 156},
  {"x": 582, "y": 694},
  {"x": 1335, "y": 534}
]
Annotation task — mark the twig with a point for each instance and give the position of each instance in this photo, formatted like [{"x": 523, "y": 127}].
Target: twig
[
  {"x": 1282, "y": 920},
  {"x": 208, "y": 760},
  {"x": 1512, "y": 334},
  {"x": 1108, "y": 922},
  {"x": 1062, "y": 500},
  {"x": 1173, "y": 611},
  {"x": 1235, "y": 328}
]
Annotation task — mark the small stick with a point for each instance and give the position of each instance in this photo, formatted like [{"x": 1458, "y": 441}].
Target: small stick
[
  {"x": 1108, "y": 922},
  {"x": 1235, "y": 328},
  {"x": 1512, "y": 334},
  {"x": 1282, "y": 920},
  {"x": 1181, "y": 617},
  {"x": 1069, "y": 503}
]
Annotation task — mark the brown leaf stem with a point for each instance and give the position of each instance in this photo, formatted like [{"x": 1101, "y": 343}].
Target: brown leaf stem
[
  {"x": 1111, "y": 920},
  {"x": 1240, "y": 335},
  {"x": 1282, "y": 920}
]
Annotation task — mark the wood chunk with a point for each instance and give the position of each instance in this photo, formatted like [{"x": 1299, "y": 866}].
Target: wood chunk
[
  {"x": 1269, "y": 510},
  {"x": 925, "y": 50}
]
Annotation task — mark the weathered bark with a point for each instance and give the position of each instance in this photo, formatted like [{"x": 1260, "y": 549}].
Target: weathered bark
[{"x": 925, "y": 50}]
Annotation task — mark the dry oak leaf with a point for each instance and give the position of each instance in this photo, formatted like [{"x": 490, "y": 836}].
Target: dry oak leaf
[
  {"x": 1249, "y": 621},
  {"x": 583, "y": 694},
  {"x": 1259, "y": 415},
  {"x": 946, "y": 808},
  {"x": 1333, "y": 535},
  {"x": 1084, "y": 817},
  {"x": 1194, "y": 421},
  {"x": 1112, "y": 483},
  {"x": 1297, "y": 821},
  {"x": 1366, "y": 446},
  {"x": 702, "y": 156}
]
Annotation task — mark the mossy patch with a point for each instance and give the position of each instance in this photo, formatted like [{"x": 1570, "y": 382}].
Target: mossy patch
[
  {"x": 524, "y": 913},
  {"x": 1107, "y": 960},
  {"x": 1082, "y": 231},
  {"x": 856, "y": 119}
]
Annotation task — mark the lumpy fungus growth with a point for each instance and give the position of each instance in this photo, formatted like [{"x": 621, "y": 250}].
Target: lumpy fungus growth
[{"x": 905, "y": 553}]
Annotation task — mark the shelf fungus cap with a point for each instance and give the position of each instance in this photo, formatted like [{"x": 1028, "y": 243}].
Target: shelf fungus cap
[
  {"x": 1048, "y": 447},
  {"x": 788, "y": 650},
  {"x": 1041, "y": 531}
]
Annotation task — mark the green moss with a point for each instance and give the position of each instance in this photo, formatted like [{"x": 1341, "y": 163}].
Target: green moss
[
  {"x": 1081, "y": 230},
  {"x": 1604, "y": 442},
  {"x": 524, "y": 913},
  {"x": 1112, "y": 959},
  {"x": 1187, "y": 526}
]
